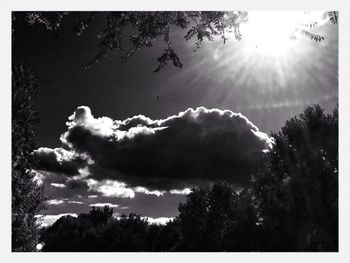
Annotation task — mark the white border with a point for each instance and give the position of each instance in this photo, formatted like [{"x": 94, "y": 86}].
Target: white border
[{"x": 6, "y": 6}]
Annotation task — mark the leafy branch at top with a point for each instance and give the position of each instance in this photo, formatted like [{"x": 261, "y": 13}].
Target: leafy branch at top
[{"x": 143, "y": 29}]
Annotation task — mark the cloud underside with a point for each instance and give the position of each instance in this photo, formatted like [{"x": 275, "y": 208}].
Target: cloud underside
[{"x": 194, "y": 147}]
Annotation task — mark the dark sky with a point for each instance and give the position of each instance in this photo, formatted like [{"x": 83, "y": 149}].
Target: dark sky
[{"x": 266, "y": 90}]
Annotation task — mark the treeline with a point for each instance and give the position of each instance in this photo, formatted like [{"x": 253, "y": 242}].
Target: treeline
[{"x": 290, "y": 205}]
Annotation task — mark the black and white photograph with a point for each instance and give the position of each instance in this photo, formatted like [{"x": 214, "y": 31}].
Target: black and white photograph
[{"x": 174, "y": 131}]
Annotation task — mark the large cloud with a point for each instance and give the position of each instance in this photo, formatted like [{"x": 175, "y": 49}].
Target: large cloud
[{"x": 197, "y": 145}]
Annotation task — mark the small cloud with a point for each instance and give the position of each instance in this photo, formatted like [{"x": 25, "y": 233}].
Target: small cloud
[
  {"x": 92, "y": 196},
  {"x": 144, "y": 190},
  {"x": 185, "y": 191},
  {"x": 55, "y": 202},
  {"x": 110, "y": 188},
  {"x": 58, "y": 185},
  {"x": 104, "y": 204}
]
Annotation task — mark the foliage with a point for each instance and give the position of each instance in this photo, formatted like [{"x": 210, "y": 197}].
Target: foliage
[
  {"x": 99, "y": 231},
  {"x": 77, "y": 234},
  {"x": 27, "y": 196},
  {"x": 221, "y": 219},
  {"x": 312, "y": 36},
  {"x": 143, "y": 29},
  {"x": 297, "y": 190},
  {"x": 333, "y": 16}
]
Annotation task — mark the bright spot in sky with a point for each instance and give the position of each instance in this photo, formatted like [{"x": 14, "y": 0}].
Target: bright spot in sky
[
  {"x": 39, "y": 246},
  {"x": 269, "y": 33},
  {"x": 267, "y": 69}
]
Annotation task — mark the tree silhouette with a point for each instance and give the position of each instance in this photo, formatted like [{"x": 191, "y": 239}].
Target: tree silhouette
[
  {"x": 99, "y": 216},
  {"x": 219, "y": 219},
  {"x": 99, "y": 231},
  {"x": 126, "y": 234},
  {"x": 168, "y": 237},
  {"x": 297, "y": 190},
  {"x": 192, "y": 220},
  {"x": 27, "y": 196}
]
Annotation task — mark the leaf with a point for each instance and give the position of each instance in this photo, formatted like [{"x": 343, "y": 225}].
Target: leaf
[
  {"x": 333, "y": 16},
  {"x": 168, "y": 55},
  {"x": 312, "y": 36}
]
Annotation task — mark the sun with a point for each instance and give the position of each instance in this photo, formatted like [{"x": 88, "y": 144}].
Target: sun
[
  {"x": 269, "y": 33},
  {"x": 267, "y": 58}
]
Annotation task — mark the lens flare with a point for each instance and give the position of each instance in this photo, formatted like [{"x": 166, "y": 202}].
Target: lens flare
[{"x": 270, "y": 33}]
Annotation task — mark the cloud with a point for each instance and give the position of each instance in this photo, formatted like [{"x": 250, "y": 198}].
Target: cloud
[
  {"x": 146, "y": 205},
  {"x": 138, "y": 154},
  {"x": 144, "y": 190},
  {"x": 110, "y": 188},
  {"x": 104, "y": 204},
  {"x": 59, "y": 160},
  {"x": 195, "y": 144},
  {"x": 55, "y": 202},
  {"x": 185, "y": 191},
  {"x": 158, "y": 221},
  {"x": 48, "y": 220},
  {"x": 58, "y": 185}
]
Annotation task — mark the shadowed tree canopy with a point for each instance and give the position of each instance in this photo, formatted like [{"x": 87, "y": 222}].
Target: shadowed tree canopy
[
  {"x": 127, "y": 32},
  {"x": 99, "y": 231},
  {"x": 27, "y": 196},
  {"x": 219, "y": 219},
  {"x": 296, "y": 191}
]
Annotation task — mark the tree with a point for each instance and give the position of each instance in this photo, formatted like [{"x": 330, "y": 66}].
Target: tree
[
  {"x": 84, "y": 233},
  {"x": 219, "y": 219},
  {"x": 99, "y": 216},
  {"x": 99, "y": 231},
  {"x": 145, "y": 28},
  {"x": 192, "y": 219},
  {"x": 296, "y": 191},
  {"x": 27, "y": 195},
  {"x": 126, "y": 234},
  {"x": 168, "y": 237}
]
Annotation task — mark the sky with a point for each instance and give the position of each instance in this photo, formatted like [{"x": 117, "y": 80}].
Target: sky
[{"x": 121, "y": 135}]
